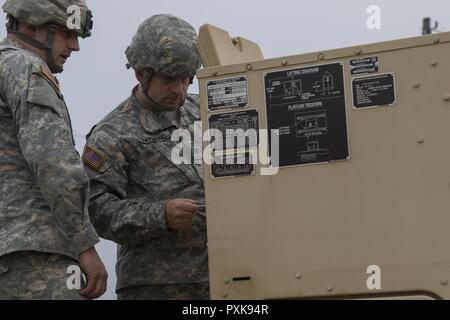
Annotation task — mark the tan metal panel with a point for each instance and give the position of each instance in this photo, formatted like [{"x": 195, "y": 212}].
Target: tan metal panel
[
  {"x": 312, "y": 231},
  {"x": 217, "y": 48}
]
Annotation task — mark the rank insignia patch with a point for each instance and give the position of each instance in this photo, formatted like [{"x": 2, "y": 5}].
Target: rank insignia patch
[
  {"x": 46, "y": 73},
  {"x": 93, "y": 158}
]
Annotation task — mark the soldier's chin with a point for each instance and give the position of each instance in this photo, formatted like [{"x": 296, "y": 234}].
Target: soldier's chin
[
  {"x": 170, "y": 108},
  {"x": 56, "y": 68},
  {"x": 171, "y": 105},
  {"x": 57, "y": 65}
]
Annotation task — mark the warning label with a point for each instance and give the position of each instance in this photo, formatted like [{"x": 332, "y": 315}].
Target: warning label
[{"x": 364, "y": 65}]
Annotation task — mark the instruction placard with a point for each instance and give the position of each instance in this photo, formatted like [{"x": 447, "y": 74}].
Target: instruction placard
[
  {"x": 236, "y": 127},
  {"x": 233, "y": 165},
  {"x": 307, "y": 106},
  {"x": 374, "y": 91}
]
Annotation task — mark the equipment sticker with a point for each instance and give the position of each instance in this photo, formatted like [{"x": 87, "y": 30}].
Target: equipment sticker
[
  {"x": 307, "y": 106},
  {"x": 227, "y": 93},
  {"x": 237, "y": 129},
  {"x": 233, "y": 165},
  {"x": 364, "y": 65},
  {"x": 374, "y": 91}
]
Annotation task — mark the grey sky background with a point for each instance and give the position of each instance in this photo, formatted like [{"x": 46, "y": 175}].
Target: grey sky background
[{"x": 95, "y": 80}]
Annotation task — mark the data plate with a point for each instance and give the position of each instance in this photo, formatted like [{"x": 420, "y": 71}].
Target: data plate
[{"x": 225, "y": 94}]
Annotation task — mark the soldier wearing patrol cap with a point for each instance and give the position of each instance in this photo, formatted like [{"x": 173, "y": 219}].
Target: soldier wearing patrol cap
[
  {"x": 45, "y": 230},
  {"x": 140, "y": 198}
]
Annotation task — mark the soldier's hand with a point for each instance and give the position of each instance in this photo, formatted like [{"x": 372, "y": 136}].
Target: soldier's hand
[
  {"x": 95, "y": 272},
  {"x": 179, "y": 214}
]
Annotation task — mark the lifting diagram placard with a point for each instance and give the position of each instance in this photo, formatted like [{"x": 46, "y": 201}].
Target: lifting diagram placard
[{"x": 307, "y": 106}]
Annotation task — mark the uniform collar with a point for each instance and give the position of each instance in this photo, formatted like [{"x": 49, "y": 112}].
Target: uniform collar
[
  {"x": 14, "y": 44},
  {"x": 154, "y": 122},
  {"x": 10, "y": 43},
  {"x": 187, "y": 117}
]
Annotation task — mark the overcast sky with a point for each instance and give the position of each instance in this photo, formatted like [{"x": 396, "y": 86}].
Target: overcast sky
[{"x": 95, "y": 80}]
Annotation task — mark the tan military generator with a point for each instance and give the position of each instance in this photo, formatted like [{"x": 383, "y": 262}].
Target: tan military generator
[{"x": 356, "y": 200}]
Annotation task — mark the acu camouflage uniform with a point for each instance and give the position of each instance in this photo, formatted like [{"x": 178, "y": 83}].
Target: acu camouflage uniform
[
  {"x": 128, "y": 157},
  {"x": 43, "y": 187},
  {"x": 132, "y": 177},
  {"x": 198, "y": 291}
]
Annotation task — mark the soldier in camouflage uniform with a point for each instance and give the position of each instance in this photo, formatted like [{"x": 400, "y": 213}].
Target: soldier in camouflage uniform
[
  {"x": 140, "y": 198},
  {"x": 44, "y": 222}
]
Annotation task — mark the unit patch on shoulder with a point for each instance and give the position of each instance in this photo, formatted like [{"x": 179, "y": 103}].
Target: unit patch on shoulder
[
  {"x": 46, "y": 73},
  {"x": 93, "y": 158}
]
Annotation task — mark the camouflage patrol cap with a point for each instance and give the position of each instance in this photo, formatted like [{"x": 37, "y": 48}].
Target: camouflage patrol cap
[
  {"x": 165, "y": 44},
  {"x": 40, "y": 12}
]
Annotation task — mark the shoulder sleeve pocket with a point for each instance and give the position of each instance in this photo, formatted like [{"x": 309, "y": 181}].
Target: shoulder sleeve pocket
[{"x": 42, "y": 93}]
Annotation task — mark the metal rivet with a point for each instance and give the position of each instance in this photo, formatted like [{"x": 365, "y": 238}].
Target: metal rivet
[
  {"x": 444, "y": 282},
  {"x": 330, "y": 288},
  {"x": 420, "y": 140},
  {"x": 249, "y": 67},
  {"x": 447, "y": 97},
  {"x": 226, "y": 281},
  {"x": 434, "y": 63},
  {"x": 416, "y": 84},
  {"x": 224, "y": 294},
  {"x": 298, "y": 276},
  {"x": 436, "y": 39},
  {"x": 284, "y": 62},
  {"x": 358, "y": 51},
  {"x": 321, "y": 56}
]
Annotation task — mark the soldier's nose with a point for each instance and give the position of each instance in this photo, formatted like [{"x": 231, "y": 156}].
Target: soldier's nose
[
  {"x": 177, "y": 86},
  {"x": 74, "y": 45}
]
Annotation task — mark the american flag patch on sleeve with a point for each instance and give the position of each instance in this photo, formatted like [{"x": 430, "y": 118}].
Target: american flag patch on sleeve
[{"x": 93, "y": 158}]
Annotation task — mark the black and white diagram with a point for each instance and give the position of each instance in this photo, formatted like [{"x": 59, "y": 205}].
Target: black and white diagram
[
  {"x": 326, "y": 85},
  {"x": 287, "y": 88},
  {"x": 311, "y": 124},
  {"x": 313, "y": 148},
  {"x": 307, "y": 106}
]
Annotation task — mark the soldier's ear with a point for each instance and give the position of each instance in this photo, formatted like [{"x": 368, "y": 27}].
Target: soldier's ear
[
  {"x": 139, "y": 75},
  {"x": 28, "y": 29}
]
